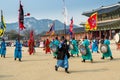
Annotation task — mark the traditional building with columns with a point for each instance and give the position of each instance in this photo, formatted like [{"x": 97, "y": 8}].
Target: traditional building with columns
[
  {"x": 108, "y": 24},
  {"x": 79, "y": 33},
  {"x": 108, "y": 20}
]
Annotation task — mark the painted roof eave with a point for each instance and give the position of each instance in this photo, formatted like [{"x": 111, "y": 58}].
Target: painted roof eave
[{"x": 103, "y": 9}]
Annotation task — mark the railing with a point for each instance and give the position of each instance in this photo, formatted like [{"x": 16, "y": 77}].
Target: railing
[{"x": 110, "y": 20}]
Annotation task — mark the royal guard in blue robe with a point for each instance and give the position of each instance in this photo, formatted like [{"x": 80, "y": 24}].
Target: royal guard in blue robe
[
  {"x": 56, "y": 43},
  {"x": 3, "y": 48},
  {"x": 108, "y": 53},
  {"x": 75, "y": 50},
  {"x": 18, "y": 50},
  {"x": 88, "y": 55},
  {"x": 95, "y": 46}
]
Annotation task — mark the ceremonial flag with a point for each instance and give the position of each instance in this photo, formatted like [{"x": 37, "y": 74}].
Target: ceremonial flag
[
  {"x": 87, "y": 26},
  {"x": 91, "y": 24},
  {"x": 21, "y": 17},
  {"x": 71, "y": 27},
  {"x": 52, "y": 29},
  {"x": 3, "y": 25}
]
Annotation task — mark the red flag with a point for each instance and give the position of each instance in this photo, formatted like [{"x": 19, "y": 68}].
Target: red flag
[
  {"x": 21, "y": 17},
  {"x": 71, "y": 25},
  {"x": 92, "y": 21}
]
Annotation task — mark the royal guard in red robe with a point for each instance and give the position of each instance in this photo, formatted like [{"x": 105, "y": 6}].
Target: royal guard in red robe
[
  {"x": 31, "y": 43},
  {"x": 47, "y": 48},
  {"x": 31, "y": 46}
]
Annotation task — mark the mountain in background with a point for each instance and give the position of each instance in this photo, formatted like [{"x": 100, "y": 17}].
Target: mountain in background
[{"x": 38, "y": 25}]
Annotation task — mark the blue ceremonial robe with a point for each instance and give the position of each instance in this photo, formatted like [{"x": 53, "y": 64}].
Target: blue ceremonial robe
[
  {"x": 94, "y": 46},
  {"x": 108, "y": 53},
  {"x": 63, "y": 63},
  {"x": 88, "y": 55},
  {"x": 75, "y": 47},
  {"x": 18, "y": 50},
  {"x": 3, "y": 48},
  {"x": 56, "y": 42}
]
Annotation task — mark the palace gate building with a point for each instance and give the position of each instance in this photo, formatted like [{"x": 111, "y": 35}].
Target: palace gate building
[{"x": 108, "y": 20}]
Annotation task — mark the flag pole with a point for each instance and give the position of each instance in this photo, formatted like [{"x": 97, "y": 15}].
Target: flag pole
[
  {"x": 64, "y": 13},
  {"x": 19, "y": 20},
  {"x": 1, "y": 21},
  {"x": 1, "y": 15},
  {"x": 65, "y": 28}
]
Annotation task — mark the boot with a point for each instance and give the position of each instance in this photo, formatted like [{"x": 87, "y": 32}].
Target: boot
[
  {"x": 71, "y": 55},
  {"x": 1, "y": 55},
  {"x": 54, "y": 57},
  {"x": 66, "y": 70},
  {"x": 56, "y": 68},
  {"x": 15, "y": 59},
  {"x": 4, "y": 56},
  {"x": 102, "y": 57},
  {"x": 97, "y": 51},
  {"x": 77, "y": 55},
  {"x": 111, "y": 58},
  {"x": 91, "y": 60},
  {"x": 19, "y": 59},
  {"x": 83, "y": 60}
]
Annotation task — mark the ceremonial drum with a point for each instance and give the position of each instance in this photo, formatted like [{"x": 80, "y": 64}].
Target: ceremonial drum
[
  {"x": 82, "y": 49},
  {"x": 54, "y": 48},
  {"x": 117, "y": 38},
  {"x": 71, "y": 46},
  {"x": 103, "y": 48}
]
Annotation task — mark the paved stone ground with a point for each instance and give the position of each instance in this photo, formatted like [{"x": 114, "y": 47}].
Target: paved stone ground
[{"x": 41, "y": 67}]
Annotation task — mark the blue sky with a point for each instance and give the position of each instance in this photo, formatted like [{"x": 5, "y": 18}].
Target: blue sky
[{"x": 52, "y": 9}]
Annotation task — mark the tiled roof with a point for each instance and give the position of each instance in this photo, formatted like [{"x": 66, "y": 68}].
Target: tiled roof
[
  {"x": 75, "y": 30},
  {"x": 103, "y": 9}
]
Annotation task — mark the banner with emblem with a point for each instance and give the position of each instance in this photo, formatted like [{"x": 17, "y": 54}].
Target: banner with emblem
[
  {"x": 3, "y": 25},
  {"x": 91, "y": 23}
]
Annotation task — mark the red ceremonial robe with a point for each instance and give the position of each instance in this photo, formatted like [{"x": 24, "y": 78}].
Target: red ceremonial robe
[
  {"x": 31, "y": 46},
  {"x": 47, "y": 48}
]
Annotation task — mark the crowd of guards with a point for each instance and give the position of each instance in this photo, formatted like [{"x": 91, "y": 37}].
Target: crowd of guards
[{"x": 63, "y": 49}]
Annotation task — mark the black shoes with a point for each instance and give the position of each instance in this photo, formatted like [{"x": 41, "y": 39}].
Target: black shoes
[
  {"x": 20, "y": 60},
  {"x": 83, "y": 60},
  {"x": 3, "y": 56},
  {"x": 54, "y": 57},
  {"x": 77, "y": 55},
  {"x": 111, "y": 58},
  {"x": 56, "y": 68},
  {"x": 102, "y": 57},
  {"x": 91, "y": 60},
  {"x": 66, "y": 70},
  {"x": 98, "y": 52},
  {"x": 71, "y": 55},
  {"x": 15, "y": 59}
]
